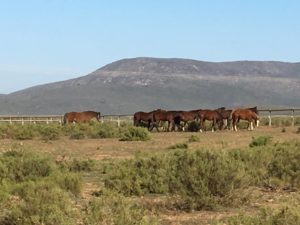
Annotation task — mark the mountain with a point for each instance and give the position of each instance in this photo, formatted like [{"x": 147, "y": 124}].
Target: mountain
[{"x": 143, "y": 84}]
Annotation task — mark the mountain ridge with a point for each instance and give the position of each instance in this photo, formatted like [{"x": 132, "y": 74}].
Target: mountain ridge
[{"x": 144, "y": 83}]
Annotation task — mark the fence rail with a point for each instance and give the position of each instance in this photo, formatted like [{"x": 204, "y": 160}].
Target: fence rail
[{"x": 291, "y": 113}]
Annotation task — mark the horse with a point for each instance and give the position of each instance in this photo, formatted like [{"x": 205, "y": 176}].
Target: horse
[
  {"x": 249, "y": 114},
  {"x": 212, "y": 115},
  {"x": 185, "y": 117},
  {"x": 81, "y": 117},
  {"x": 140, "y": 116},
  {"x": 226, "y": 115},
  {"x": 172, "y": 117}
]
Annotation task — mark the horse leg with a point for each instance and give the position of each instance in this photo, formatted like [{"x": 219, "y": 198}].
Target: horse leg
[
  {"x": 250, "y": 124},
  {"x": 234, "y": 122},
  {"x": 201, "y": 125},
  {"x": 213, "y": 125}
]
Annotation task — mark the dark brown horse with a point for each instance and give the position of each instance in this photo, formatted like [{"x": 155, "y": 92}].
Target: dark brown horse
[
  {"x": 172, "y": 117},
  {"x": 185, "y": 117},
  {"x": 139, "y": 117},
  {"x": 211, "y": 115},
  {"x": 226, "y": 116},
  {"x": 147, "y": 117},
  {"x": 81, "y": 117},
  {"x": 249, "y": 114}
]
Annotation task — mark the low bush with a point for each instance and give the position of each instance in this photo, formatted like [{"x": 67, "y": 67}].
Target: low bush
[
  {"x": 113, "y": 208},
  {"x": 80, "y": 165},
  {"x": 135, "y": 134},
  {"x": 194, "y": 138},
  {"x": 283, "y": 216},
  {"x": 34, "y": 190},
  {"x": 25, "y": 132},
  {"x": 179, "y": 146},
  {"x": 105, "y": 130},
  {"x": 260, "y": 141},
  {"x": 49, "y": 132},
  {"x": 201, "y": 179},
  {"x": 77, "y": 134}
]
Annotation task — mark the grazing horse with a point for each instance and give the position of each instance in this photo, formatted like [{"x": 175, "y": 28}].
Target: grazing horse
[
  {"x": 212, "y": 115},
  {"x": 138, "y": 117},
  {"x": 249, "y": 114},
  {"x": 226, "y": 115},
  {"x": 81, "y": 117},
  {"x": 186, "y": 116},
  {"x": 172, "y": 117}
]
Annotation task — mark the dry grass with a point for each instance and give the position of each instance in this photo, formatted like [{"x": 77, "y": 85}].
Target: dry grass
[{"x": 113, "y": 148}]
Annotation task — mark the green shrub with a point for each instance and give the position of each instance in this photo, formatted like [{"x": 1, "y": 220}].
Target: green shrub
[
  {"x": 21, "y": 166},
  {"x": 200, "y": 179},
  {"x": 105, "y": 130},
  {"x": 138, "y": 176},
  {"x": 80, "y": 165},
  {"x": 40, "y": 203},
  {"x": 135, "y": 134},
  {"x": 283, "y": 216},
  {"x": 77, "y": 134},
  {"x": 194, "y": 138},
  {"x": 260, "y": 141},
  {"x": 113, "y": 209},
  {"x": 49, "y": 132},
  {"x": 24, "y": 133},
  {"x": 285, "y": 166},
  {"x": 179, "y": 146},
  {"x": 33, "y": 190}
]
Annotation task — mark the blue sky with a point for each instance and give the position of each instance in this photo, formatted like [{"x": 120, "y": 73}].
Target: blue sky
[{"x": 43, "y": 41}]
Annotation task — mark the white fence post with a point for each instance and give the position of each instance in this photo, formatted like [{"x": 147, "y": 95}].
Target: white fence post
[{"x": 270, "y": 119}]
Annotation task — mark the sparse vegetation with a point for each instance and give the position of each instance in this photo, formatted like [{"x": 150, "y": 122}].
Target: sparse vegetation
[
  {"x": 260, "y": 141},
  {"x": 179, "y": 146},
  {"x": 135, "y": 134},
  {"x": 194, "y": 138},
  {"x": 82, "y": 187}
]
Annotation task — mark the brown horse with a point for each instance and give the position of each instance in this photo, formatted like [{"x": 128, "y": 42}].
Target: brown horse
[
  {"x": 226, "y": 115},
  {"x": 211, "y": 115},
  {"x": 249, "y": 114},
  {"x": 172, "y": 117},
  {"x": 147, "y": 117},
  {"x": 81, "y": 117},
  {"x": 185, "y": 117}
]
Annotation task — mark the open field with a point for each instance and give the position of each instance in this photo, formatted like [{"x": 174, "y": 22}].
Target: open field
[{"x": 114, "y": 150}]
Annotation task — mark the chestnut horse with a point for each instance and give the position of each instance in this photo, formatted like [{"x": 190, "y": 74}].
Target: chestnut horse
[
  {"x": 81, "y": 117},
  {"x": 249, "y": 114},
  {"x": 211, "y": 115}
]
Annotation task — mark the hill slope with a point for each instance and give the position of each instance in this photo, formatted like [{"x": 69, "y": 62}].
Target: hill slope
[{"x": 130, "y": 85}]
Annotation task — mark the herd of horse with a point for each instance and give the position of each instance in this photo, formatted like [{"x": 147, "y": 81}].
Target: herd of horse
[{"x": 221, "y": 118}]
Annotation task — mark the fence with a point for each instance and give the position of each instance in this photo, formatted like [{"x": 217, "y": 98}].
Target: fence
[
  {"x": 36, "y": 119},
  {"x": 290, "y": 113}
]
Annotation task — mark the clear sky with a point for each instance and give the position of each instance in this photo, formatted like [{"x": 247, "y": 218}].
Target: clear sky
[{"x": 43, "y": 41}]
